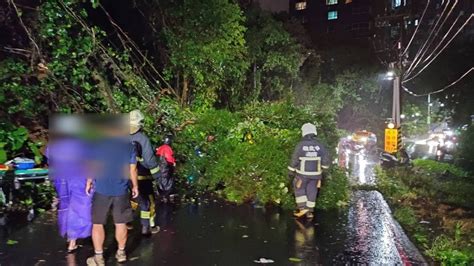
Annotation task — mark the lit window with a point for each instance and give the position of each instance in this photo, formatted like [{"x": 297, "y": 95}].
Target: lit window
[
  {"x": 416, "y": 22},
  {"x": 331, "y": 2},
  {"x": 300, "y": 5},
  {"x": 396, "y": 3},
  {"x": 332, "y": 15}
]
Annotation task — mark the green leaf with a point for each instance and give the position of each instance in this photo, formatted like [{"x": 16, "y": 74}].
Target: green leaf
[
  {"x": 11, "y": 242},
  {"x": 295, "y": 259}
]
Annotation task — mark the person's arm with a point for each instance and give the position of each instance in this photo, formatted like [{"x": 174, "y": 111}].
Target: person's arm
[
  {"x": 295, "y": 160},
  {"x": 134, "y": 179},
  {"x": 89, "y": 186},
  {"x": 326, "y": 159},
  {"x": 149, "y": 159}
]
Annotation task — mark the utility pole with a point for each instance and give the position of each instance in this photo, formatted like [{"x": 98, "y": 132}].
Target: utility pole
[
  {"x": 428, "y": 121},
  {"x": 396, "y": 102}
]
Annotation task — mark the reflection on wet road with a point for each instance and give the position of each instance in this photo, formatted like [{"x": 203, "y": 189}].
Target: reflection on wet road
[
  {"x": 216, "y": 233},
  {"x": 373, "y": 235}
]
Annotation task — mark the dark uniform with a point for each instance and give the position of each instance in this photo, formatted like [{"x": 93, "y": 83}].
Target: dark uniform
[
  {"x": 148, "y": 169},
  {"x": 308, "y": 161}
]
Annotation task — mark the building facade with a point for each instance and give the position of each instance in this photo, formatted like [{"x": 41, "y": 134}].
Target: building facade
[
  {"x": 336, "y": 21},
  {"x": 376, "y": 23}
]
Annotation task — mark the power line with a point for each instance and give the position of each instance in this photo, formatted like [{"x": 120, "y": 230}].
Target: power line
[
  {"x": 423, "y": 47},
  {"x": 442, "y": 49},
  {"x": 416, "y": 29},
  {"x": 440, "y": 90},
  {"x": 422, "y": 57}
]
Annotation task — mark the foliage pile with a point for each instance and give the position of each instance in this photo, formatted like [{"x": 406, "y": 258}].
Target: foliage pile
[
  {"x": 440, "y": 195},
  {"x": 253, "y": 169}
]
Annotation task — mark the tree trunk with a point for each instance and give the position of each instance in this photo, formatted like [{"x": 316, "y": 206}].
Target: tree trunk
[
  {"x": 184, "y": 93},
  {"x": 104, "y": 88}
]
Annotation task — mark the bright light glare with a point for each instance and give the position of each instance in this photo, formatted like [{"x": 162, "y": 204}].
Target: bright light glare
[
  {"x": 391, "y": 125},
  {"x": 432, "y": 143},
  {"x": 390, "y": 74},
  {"x": 402, "y": 116}
]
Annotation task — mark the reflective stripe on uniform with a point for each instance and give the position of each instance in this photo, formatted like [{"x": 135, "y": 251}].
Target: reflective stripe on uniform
[
  {"x": 144, "y": 215},
  {"x": 301, "y": 199},
  {"x": 303, "y": 163},
  {"x": 145, "y": 177},
  {"x": 152, "y": 210},
  {"x": 155, "y": 170},
  {"x": 310, "y": 204},
  {"x": 139, "y": 159}
]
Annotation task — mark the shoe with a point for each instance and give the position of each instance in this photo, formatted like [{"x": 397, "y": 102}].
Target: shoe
[
  {"x": 155, "y": 229},
  {"x": 121, "y": 256},
  {"x": 96, "y": 260},
  {"x": 310, "y": 215},
  {"x": 300, "y": 213},
  {"x": 146, "y": 230}
]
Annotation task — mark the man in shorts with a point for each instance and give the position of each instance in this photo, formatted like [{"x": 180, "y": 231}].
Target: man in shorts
[{"x": 114, "y": 167}]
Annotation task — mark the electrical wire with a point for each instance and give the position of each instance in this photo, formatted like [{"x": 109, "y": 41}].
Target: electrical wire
[
  {"x": 422, "y": 57},
  {"x": 416, "y": 29},
  {"x": 442, "y": 49},
  {"x": 423, "y": 47},
  {"x": 440, "y": 90}
]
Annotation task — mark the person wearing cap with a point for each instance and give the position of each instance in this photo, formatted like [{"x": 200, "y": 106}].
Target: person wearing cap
[
  {"x": 309, "y": 159},
  {"x": 148, "y": 169}
]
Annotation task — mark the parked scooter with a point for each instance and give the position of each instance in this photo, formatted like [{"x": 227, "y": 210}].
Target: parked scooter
[{"x": 389, "y": 160}]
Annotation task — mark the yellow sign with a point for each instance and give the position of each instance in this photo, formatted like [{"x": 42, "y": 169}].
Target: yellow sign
[{"x": 391, "y": 140}]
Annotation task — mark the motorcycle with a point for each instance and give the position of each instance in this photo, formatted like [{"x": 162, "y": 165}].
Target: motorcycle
[{"x": 389, "y": 160}]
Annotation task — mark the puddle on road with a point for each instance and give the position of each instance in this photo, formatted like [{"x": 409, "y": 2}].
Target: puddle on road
[
  {"x": 218, "y": 233},
  {"x": 212, "y": 233}
]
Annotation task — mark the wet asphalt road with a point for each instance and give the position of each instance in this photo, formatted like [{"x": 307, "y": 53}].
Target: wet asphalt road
[{"x": 216, "y": 233}]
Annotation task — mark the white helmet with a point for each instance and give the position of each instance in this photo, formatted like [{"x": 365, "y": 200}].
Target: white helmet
[
  {"x": 136, "y": 121},
  {"x": 308, "y": 128}
]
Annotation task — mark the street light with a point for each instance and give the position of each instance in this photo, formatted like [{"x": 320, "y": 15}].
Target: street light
[{"x": 390, "y": 75}]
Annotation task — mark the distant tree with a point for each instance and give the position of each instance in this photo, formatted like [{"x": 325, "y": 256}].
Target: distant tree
[
  {"x": 206, "y": 45},
  {"x": 275, "y": 56}
]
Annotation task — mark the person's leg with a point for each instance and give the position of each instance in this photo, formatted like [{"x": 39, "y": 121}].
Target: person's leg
[
  {"x": 98, "y": 237},
  {"x": 299, "y": 185},
  {"x": 100, "y": 208},
  {"x": 121, "y": 234},
  {"x": 144, "y": 204},
  {"x": 311, "y": 193},
  {"x": 72, "y": 245},
  {"x": 122, "y": 213}
]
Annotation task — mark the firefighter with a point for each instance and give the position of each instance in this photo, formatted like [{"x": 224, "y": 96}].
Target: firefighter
[
  {"x": 167, "y": 163},
  {"x": 309, "y": 159},
  {"x": 148, "y": 169}
]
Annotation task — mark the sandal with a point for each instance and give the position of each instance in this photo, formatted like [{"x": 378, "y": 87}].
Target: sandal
[{"x": 69, "y": 250}]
